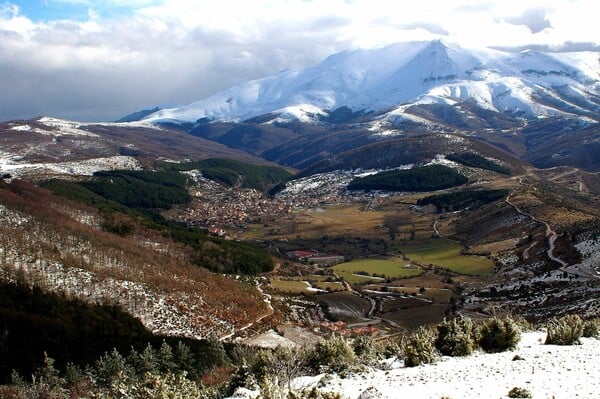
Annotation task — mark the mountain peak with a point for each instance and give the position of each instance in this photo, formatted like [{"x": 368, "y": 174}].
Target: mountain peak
[{"x": 410, "y": 73}]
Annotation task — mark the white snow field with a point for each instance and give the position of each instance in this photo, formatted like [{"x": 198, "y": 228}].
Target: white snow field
[{"x": 546, "y": 371}]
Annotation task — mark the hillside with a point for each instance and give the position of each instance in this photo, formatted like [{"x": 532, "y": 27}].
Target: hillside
[
  {"x": 49, "y": 146},
  {"x": 64, "y": 247}
]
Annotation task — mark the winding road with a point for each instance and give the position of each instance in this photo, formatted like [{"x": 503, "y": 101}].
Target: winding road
[
  {"x": 267, "y": 299},
  {"x": 550, "y": 234}
]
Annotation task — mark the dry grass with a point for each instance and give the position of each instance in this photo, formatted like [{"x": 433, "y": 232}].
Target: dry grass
[
  {"x": 331, "y": 220},
  {"x": 495, "y": 247}
]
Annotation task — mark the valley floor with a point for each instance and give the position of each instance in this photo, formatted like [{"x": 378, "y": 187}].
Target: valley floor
[{"x": 546, "y": 371}]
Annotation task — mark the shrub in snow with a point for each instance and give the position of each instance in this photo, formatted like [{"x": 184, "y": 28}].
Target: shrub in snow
[
  {"x": 591, "y": 328},
  {"x": 332, "y": 354},
  {"x": 366, "y": 350},
  {"x": 565, "y": 331},
  {"x": 371, "y": 393},
  {"x": 456, "y": 337},
  {"x": 389, "y": 348},
  {"x": 499, "y": 334},
  {"x": 313, "y": 394},
  {"x": 517, "y": 392},
  {"x": 419, "y": 348},
  {"x": 152, "y": 386}
]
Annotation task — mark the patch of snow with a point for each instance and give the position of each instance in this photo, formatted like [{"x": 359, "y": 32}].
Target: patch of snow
[
  {"x": 305, "y": 113},
  {"x": 310, "y": 288},
  {"x": 590, "y": 252},
  {"x": 270, "y": 340},
  {"x": 63, "y": 127},
  {"x": 440, "y": 159},
  {"x": 21, "y": 128}
]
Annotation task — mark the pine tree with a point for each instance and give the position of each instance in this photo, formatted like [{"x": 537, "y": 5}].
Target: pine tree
[{"x": 166, "y": 359}]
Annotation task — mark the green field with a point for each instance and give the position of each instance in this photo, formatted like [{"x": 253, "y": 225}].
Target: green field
[
  {"x": 290, "y": 286},
  {"x": 390, "y": 268},
  {"x": 447, "y": 254}
]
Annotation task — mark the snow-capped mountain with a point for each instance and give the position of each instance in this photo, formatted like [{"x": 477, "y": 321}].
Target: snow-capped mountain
[{"x": 392, "y": 79}]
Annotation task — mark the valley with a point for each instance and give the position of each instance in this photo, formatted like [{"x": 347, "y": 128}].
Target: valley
[
  {"x": 471, "y": 192},
  {"x": 391, "y": 260}
]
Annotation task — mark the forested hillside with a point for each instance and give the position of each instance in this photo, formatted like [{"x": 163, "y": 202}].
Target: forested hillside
[
  {"x": 139, "y": 194},
  {"x": 426, "y": 178},
  {"x": 231, "y": 172}
]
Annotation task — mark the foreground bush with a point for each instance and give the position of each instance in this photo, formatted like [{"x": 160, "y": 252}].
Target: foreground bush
[
  {"x": 332, "y": 355},
  {"x": 499, "y": 335},
  {"x": 419, "y": 348},
  {"x": 565, "y": 331},
  {"x": 517, "y": 392},
  {"x": 456, "y": 337},
  {"x": 591, "y": 328},
  {"x": 366, "y": 350}
]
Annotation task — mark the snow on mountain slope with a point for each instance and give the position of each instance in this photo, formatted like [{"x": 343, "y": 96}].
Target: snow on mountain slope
[{"x": 410, "y": 73}]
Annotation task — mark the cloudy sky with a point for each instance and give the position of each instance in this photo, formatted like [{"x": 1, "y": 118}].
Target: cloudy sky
[{"x": 99, "y": 60}]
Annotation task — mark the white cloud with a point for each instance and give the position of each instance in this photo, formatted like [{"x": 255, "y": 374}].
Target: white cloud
[{"x": 179, "y": 51}]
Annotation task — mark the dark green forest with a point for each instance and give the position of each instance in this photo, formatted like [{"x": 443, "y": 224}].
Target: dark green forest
[
  {"x": 71, "y": 331},
  {"x": 140, "y": 189},
  {"x": 463, "y": 199},
  {"x": 231, "y": 173},
  {"x": 425, "y": 178}
]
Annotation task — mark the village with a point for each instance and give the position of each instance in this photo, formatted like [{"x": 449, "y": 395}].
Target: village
[{"x": 225, "y": 211}]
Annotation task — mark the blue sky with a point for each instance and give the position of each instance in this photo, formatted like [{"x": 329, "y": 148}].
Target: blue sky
[
  {"x": 99, "y": 60},
  {"x": 79, "y": 10}
]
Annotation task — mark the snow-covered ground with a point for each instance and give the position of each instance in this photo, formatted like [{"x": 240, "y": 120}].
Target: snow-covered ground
[
  {"x": 546, "y": 371},
  {"x": 86, "y": 167}
]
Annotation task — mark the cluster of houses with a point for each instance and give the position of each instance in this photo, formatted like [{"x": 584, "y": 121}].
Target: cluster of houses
[
  {"x": 216, "y": 207},
  {"x": 342, "y": 328}
]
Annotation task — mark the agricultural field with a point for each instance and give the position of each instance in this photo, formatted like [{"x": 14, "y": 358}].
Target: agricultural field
[
  {"x": 378, "y": 269},
  {"x": 291, "y": 286},
  {"x": 346, "y": 306},
  {"x": 409, "y": 317},
  {"x": 447, "y": 254},
  {"x": 440, "y": 295},
  {"x": 314, "y": 223}
]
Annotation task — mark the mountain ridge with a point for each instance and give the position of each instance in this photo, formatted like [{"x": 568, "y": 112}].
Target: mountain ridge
[{"x": 406, "y": 74}]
